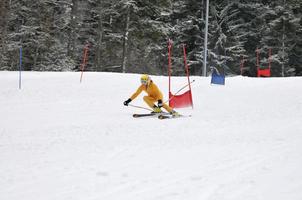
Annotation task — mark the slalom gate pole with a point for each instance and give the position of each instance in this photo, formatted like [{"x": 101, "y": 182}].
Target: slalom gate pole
[
  {"x": 169, "y": 63},
  {"x": 179, "y": 91},
  {"x": 84, "y": 61},
  {"x": 20, "y": 67},
  {"x": 187, "y": 71},
  {"x": 257, "y": 62},
  {"x": 269, "y": 58},
  {"x": 139, "y": 107},
  {"x": 241, "y": 65}
]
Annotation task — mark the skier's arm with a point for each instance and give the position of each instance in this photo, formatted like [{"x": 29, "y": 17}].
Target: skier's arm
[{"x": 138, "y": 91}]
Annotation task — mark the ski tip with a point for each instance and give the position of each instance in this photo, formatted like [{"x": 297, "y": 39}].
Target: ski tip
[
  {"x": 162, "y": 117},
  {"x": 172, "y": 117}
]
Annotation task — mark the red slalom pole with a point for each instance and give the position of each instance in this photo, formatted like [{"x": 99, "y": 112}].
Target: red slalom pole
[
  {"x": 187, "y": 71},
  {"x": 257, "y": 62},
  {"x": 84, "y": 62},
  {"x": 169, "y": 63},
  {"x": 269, "y": 58},
  {"x": 20, "y": 68},
  {"x": 241, "y": 65}
]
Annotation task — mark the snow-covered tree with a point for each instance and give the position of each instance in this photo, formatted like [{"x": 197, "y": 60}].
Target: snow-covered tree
[
  {"x": 38, "y": 27},
  {"x": 295, "y": 55},
  {"x": 141, "y": 26},
  {"x": 280, "y": 34},
  {"x": 187, "y": 28},
  {"x": 227, "y": 37},
  {"x": 132, "y": 35},
  {"x": 4, "y": 14}
]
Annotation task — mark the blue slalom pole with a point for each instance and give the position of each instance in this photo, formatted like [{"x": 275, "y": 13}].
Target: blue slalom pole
[{"x": 20, "y": 68}]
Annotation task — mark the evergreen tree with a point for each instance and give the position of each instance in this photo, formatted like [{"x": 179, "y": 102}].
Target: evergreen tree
[
  {"x": 187, "y": 28},
  {"x": 32, "y": 26},
  {"x": 4, "y": 14},
  {"x": 228, "y": 37},
  {"x": 150, "y": 34},
  {"x": 132, "y": 35},
  {"x": 144, "y": 34},
  {"x": 280, "y": 34},
  {"x": 52, "y": 51},
  {"x": 295, "y": 55}
]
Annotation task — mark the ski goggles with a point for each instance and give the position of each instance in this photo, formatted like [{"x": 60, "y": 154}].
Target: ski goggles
[{"x": 144, "y": 82}]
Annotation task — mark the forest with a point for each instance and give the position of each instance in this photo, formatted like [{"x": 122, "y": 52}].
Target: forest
[{"x": 131, "y": 36}]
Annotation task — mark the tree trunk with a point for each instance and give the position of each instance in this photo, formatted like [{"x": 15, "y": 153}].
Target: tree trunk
[
  {"x": 283, "y": 48},
  {"x": 72, "y": 32},
  {"x": 283, "y": 43},
  {"x": 202, "y": 9},
  {"x": 4, "y": 12},
  {"x": 171, "y": 6},
  {"x": 36, "y": 55},
  {"x": 125, "y": 44},
  {"x": 100, "y": 37}
]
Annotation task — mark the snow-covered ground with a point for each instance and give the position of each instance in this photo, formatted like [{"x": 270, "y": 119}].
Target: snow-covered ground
[{"x": 61, "y": 140}]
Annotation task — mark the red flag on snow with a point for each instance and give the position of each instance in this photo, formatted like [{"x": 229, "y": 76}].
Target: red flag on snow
[
  {"x": 185, "y": 99},
  {"x": 264, "y": 72},
  {"x": 181, "y": 101}
]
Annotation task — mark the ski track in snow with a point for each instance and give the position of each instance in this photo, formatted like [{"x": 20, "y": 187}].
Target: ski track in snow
[{"x": 60, "y": 139}]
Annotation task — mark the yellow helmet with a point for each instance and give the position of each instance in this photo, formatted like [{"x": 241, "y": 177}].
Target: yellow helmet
[{"x": 145, "y": 79}]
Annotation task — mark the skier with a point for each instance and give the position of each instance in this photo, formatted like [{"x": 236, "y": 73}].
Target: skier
[{"x": 154, "y": 94}]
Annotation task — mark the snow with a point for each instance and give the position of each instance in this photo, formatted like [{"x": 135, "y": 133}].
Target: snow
[{"x": 60, "y": 139}]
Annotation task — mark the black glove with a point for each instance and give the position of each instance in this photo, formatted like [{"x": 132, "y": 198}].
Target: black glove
[
  {"x": 160, "y": 103},
  {"x": 127, "y": 102}
]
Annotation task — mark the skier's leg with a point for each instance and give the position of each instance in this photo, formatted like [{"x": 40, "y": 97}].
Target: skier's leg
[
  {"x": 167, "y": 108},
  {"x": 150, "y": 101},
  {"x": 170, "y": 110}
]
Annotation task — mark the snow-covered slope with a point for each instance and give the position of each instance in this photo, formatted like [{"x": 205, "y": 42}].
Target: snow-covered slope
[{"x": 60, "y": 140}]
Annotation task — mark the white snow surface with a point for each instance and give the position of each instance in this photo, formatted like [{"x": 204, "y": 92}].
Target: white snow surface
[{"x": 65, "y": 140}]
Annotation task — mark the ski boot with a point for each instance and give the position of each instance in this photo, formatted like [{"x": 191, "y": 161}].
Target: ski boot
[
  {"x": 174, "y": 113},
  {"x": 156, "y": 110}
]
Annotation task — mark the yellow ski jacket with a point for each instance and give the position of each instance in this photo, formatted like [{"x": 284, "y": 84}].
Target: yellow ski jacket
[{"x": 151, "y": 89}]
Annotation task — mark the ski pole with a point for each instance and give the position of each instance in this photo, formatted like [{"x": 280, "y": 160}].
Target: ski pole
[
  {"x": 139, "y": 107},
  {"x": 180, "y": 90}
]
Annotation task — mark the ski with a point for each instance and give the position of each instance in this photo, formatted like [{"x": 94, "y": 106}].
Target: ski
[
  {"x": 149, "y": 114},
  {"x": 172, "y": 117},
  {"x": 143, "y": 115}
]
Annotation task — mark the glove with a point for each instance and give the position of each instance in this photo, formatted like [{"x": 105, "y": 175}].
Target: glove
[
  {"x": 160, "y": 103},
  {"x": 127, "y": 102}
]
